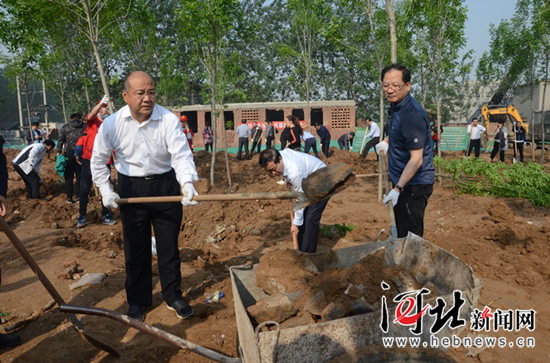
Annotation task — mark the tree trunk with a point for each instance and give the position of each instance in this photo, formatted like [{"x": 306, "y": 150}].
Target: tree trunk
[
  {"x": 92, "y": 37},
  {"x": 224, "y": 140},
  {"x": 393, "y": 34},
  {"x": 380, "y": 176},
  {"x": 542, "y": 108},
  {"x": 88, "y": 103},
  {"x": 214, "y": 127}
]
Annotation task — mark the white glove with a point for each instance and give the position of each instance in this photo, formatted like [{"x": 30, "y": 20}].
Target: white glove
[
  {"x": 382, "y": 146},
  {"x": 188, "y": 191},
  {"x": 109, "y": 200},
  {"x": 351, "y": 147},
  {"x": 105, "y": 100},
  {"x": 393, "y": 196}
]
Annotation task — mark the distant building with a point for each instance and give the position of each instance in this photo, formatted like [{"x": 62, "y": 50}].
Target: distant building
[{"x": 337, "y": 116}]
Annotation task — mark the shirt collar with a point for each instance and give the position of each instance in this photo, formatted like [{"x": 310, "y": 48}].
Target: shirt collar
[
  {"x": 402, "y": 103},
  {"x": 127, "y": 115}
]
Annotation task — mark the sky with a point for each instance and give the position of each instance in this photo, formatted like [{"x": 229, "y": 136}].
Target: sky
[{"x": 481, "y": 13}]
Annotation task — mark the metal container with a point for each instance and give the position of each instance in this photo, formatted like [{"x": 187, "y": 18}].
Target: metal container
[{"x": 325, "y": 341}]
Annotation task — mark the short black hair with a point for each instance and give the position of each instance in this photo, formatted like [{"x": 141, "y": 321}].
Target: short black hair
[
  {"x": 49, "y": 143},
  {"x": 406, "y": 74},
  {"x": 76, "y": 115},
  {"x": 369, "y": 119},
  {"x": 352, "y": 133},
  {"x": 475, "y": 118},
  {"x": 269, "y": 155},
  {"x": 35, "y": 124}
]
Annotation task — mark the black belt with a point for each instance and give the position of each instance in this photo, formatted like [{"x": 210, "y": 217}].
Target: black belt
[{"x": 165, "y": 176}]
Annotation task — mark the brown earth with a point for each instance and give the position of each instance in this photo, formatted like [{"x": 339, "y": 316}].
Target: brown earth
[{"x": 505, "y": 240}]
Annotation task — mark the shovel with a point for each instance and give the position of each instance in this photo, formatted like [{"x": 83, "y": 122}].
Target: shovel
[
  {"x": 319, "y": 185},
  {"x": 48, "y": 285},
  {"x": 393, "y": 223}
]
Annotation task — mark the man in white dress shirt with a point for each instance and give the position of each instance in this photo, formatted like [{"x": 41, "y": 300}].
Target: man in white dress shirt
[
  {"x": 310, "y": 143},
  {"x": 294, "y": 166},
  {"x": 153, "y": 158},
  {"x": 475, "y": 131},
  {"x": 374, "y": 134}
]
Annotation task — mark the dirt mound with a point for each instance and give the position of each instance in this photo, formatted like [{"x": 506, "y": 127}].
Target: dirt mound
[{"x": 499, "y": 212}]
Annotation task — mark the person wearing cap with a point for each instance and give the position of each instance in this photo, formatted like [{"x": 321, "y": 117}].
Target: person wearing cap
[
  {"x": 346, "y": 141},
  {"x": 187, "y": 130},
  {"x": 409, "y": 150},
  {"x": 94, "y": 120},
  {"x": 153, "y": 159},
  {"x": 374, "y": 134}
]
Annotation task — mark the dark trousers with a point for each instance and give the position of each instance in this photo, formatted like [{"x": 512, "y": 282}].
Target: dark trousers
[
  {"x": 326, "y": 146},
  {"x": 343, "y": 145},
  {"x": 31, "y": 180},
  {"x": 243, "y": 142},
  {"x": 72, "y": 169},
  {"x": 308, "y": 234},
  {"x": 496, "y": 148},
  {"x": 311, "y": 144},
  {"x": 410, "y": 208},
  {"x": 268, "y": 143},
  {"x": 476, "y": 145},
  {"x": 136, "y": 226},
  {"x": 256, "y": 145},
  {"x": 86, "y": 186},
  {"x": 436, "y": 145},
  {"x": 370, "y": 144},
  {"x": 206, "y": 146},
  {"x": 519, "y": 146}
]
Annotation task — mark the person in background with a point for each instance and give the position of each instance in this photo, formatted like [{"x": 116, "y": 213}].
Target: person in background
[
  {"x": 27, "y": 165},
  {"x": 500, "y": 141},
  {"x": 346, "y": 141},
  {"x": 285, "y": 134},
  {"x": 94, "y": 120},
  {"x": 187, "y": 130},
  {"x": 435, "y": 136},
  {"x": 310, "y": 143},
  {"x": 36, "y": 134},
  {"x": 474, "y": 131},
  {"x": 68, "y": 137},
  {"x": 519, "y": 140},
  {"x": 208, "y": 136},
  {"x": 243, "y": 132},
  {"x": 374, "y": 134},
  {"x": 270, "y": 132},
  {"x": 296, "y": 133},
  {"x": 256, "y": 138},
  {"x": 324, "y": 135}
]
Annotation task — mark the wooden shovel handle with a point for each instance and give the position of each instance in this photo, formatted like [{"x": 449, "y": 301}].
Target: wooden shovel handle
[
  {"x": 393, "y": 223},
  {"x": 213, "y": 197}
]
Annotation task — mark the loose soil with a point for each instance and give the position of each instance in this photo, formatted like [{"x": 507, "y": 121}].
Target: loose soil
[{"x": 505, "y": 240}]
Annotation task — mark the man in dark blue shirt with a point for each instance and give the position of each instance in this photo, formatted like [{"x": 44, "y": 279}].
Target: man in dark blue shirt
[
  {"x": 324, "y": 135},
  {"x": 409, "y": 150}
]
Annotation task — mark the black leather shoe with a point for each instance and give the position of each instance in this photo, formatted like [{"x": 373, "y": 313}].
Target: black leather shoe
[
  {"x": 9, "y": 340},
  {"x": 136, "y": 312},
  {"x": 182, "y": 309}
]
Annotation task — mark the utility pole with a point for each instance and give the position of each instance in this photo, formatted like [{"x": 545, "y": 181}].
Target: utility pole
[
  {"x": 45, "y": 106},
  {"x": 20, "y": 110}
]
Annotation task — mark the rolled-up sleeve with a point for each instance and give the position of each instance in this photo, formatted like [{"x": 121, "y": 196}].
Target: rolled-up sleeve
[
  {"x": 181, "y": 155},
  {"x": 100, "y": 157}
]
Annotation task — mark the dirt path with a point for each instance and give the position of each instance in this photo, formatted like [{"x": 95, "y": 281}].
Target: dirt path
[{"x": 505, "y": 241}]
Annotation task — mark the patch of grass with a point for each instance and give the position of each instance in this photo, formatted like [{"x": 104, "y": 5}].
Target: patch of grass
[{"x": 326, "y": 229}]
